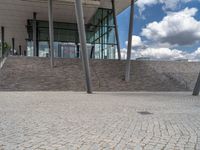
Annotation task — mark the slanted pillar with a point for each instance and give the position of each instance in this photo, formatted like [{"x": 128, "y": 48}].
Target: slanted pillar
[
  {"x": 130, "y": 34},
  {"x": 116, "y": 30},
  {"x": 51, "y": 32},
  {"x": 82, "y": 38},
  {"x": 197, "y": 87},
  {"x": 34, "y": 34},
  {"x": 2, "y": 41}
]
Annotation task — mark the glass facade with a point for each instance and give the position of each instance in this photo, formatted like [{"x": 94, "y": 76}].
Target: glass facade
[
  {"x": 100, "y": 32},
  {"x": 103, "y": 35}
]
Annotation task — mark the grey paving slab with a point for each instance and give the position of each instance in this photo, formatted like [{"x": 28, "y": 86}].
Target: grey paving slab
[{"x": 107, "y": 121}]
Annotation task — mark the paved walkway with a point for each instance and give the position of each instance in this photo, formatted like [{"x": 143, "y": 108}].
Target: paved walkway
[{"x": 67, "y": 120}]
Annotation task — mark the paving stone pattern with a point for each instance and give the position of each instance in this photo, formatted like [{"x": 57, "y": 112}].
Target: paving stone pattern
[
  {"x": 102, "y": 121},
  {"x": 35, "y": 74}
]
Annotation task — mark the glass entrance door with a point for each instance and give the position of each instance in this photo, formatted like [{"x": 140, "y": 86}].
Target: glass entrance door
[{"x": 67, "y": 50}]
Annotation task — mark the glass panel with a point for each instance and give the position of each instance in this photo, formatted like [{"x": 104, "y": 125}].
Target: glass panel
[
  {"x": 56, "y": 47},
  {"x": 43, "y": 49},
  {"x": 30, "y": 48},
  {"x": 100, "y": 32},
  {"x": 68, "y": 50},
  {"x": 104, "y": 34}
]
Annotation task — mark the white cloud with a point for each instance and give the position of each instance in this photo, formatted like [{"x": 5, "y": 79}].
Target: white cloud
[
  {"x": 139, "y": 49},
  {"x": 167, "y": 4},
  {"x": 143, "y": 3},
  {"x": 177, "y": 28},
  {"x": 195, "y": 56},
  {"x": 163, "y": 54},
  {"x": 136, "y": 41}
]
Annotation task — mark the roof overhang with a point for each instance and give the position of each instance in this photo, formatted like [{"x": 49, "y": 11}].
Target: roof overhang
[
  {"x": 15, "y": 13},
  {"x": 63, "y": 9},
  {"x": 57, "y": 2},
  {"x": 120, "y": 4}
]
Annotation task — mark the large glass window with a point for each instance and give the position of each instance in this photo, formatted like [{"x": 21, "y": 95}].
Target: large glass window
[
  {"x": 30, "y": 48},
  {"x": 68, "y": 50},
  {"x": 100, "y": 37},
  {"x": 104, "y": 34},
  {"x": 43, "y": 49}
]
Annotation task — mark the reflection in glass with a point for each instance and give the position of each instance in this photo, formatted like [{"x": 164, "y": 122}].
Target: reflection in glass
[
  {"x": 30, "y": 48},
  {"x": 100, "y": 32}
]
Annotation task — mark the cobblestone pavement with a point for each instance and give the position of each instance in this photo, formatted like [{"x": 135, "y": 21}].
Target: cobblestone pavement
[{"x": 119, "y": 121}]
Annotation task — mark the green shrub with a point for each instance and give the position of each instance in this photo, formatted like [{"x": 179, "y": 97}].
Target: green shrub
[{"x": 6, "y": 47}]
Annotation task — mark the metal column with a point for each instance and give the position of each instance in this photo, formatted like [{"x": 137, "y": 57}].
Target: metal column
[
  {"x": 34, "y": 34},
  {"x": 82, "y": 37},
  {"x": 92, "y": 52},
  {"x": 20, "y": 50},
  {"x": 51, "y": 32},
  {"x": 128, "y": 65},
  {"x": 13, "y": 46},
  {"x": 77, "y": 50},
  {"x": 116, "y": 29},
  {"x": 197, "y": 87},
  {"x": 2, "y": 41}
]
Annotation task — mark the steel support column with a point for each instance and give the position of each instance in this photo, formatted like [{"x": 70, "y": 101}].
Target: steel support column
[
  {"x": 82, "y": 38},
  {"x": 77, "y": 51},
  {"x": 92, "y": 52},
  {"x": 20, "y": 50},
  {"x": 197, "y": 87},
  {"x": 51, "y": 32},
  {"x": 130, "y": 34},
  {"x": 116, "y": 29},
  {"x": 13, "y": 46},
  {"x": 34, "y": 34},
  {"x": 2, "y": 40}
]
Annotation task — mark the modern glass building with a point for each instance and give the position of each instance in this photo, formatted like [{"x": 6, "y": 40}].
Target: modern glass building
[
  {"x": 27, "y": 28},
  {"x": 51, "y": 28},
  {"x": 100, "y": 31}
]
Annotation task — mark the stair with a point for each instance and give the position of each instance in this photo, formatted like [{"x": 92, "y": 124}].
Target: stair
[{"x": 35, "y": 74}]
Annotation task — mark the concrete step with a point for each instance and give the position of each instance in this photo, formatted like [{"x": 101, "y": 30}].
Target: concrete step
[{"x": 35, "y": 74}]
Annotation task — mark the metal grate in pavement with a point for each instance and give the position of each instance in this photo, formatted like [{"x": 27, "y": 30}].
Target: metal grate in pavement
[{"x": 144, "y": 113}]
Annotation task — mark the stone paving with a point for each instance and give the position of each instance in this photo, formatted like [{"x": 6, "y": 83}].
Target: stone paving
[{"x": 119, "y": 121}]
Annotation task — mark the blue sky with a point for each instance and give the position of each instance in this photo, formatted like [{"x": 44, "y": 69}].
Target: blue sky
[{"x": 160, "y": 13}]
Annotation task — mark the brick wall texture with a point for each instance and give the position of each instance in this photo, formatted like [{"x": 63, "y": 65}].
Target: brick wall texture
[{"x": 35, "y": 74}]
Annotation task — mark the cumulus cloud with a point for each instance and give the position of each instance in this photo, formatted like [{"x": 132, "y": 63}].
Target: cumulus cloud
[
  {"x": 195, "y": 56},
  {"x": 176, "y": 29},
  {"x": 167, "y": 4},
  {"x": 140, "y": 49},
  {"x": 136, "y": 41},
  {"x": 143, "y": 3},
  {"x": 163, "y": 54}
]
